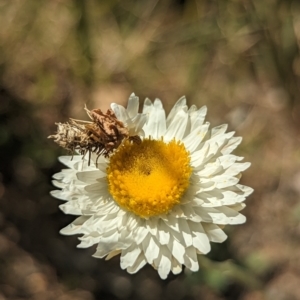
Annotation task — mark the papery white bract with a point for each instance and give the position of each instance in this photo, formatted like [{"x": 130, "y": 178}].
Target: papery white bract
[{"x": 209, "y": 197}]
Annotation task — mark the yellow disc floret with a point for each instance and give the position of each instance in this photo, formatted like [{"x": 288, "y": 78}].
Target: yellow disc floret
[{"x": 150, "y": 177}]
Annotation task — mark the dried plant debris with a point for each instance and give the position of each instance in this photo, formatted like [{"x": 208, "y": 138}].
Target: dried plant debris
[{"x": 102, "y": 135}]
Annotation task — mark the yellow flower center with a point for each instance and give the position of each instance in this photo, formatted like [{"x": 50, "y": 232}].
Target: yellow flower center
[{"x": 149, "y": 178}]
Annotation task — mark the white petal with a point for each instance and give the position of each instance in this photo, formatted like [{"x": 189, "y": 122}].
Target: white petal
[
  {"x": 140, "y": 234},
  {"x": 112, "y": 254},
  {"x": 108, "y": 245},
  {"x": 156, "y": 126},
  {"x": 228, "y": 160},
  {"x": 139, "y": 263},
  {"x": 70, "y": 208},
  {"x": 139, "y": 122},
  {"x": 62, "y": 195},
  {"x": 172, "y": 223},
  {"x": 241, "y": 189},
  {"x": 129, "y": 256},
  {"x": 200, "y": 239},
  {"x": 193, "y": 140},
  {"x": 198, "y": 158},
  {"x": 218, "y": 130},
  {"x": 210, "y": 169},
  {"x": 177, "y": 127},
  {"x": 163, "y": 233},
  {"x": 89, "y": 176},
  {"x": 177, "y": 250},
  {"x": 233, "y": 216},
  {"x": 186, "y": 232},
  {"x": 152, "y": 225},
  {"x": 120, "y": 112},
  {"x": 163, "y": 262},
  {"x": 176, "y": 266},
  {"x": 69, "y": 161},
  {"x": 148, "y": 106},
  {"x": 223, "y": 181},
  {"x": 98, "y": 187},
  {"x": 83, "y": 165},
  {"x": 89, "y": 240},
  {"x": 75, "y": 227},
  {"x": 179, "y": 105},
  {"x": 151, "y": 249},
  {"x": 190, "y": 259},
  {"x": 231, "y": 145},
  {"x": 237, "y": 168},
  {"x": 190, "y": 213},
  {"x": 66, "y": 175},
  {"x": 58, "y": 184},
  {"x": 217, "y": 198},
  {"x": 177, "y": 212},
  {"x": 197, "y": 117},
  {"x": 211, "y": 215},
  {"x": 214, "y": 232},
  {"x": 133, "y": 105},
  {"x": 192, "y": 109},
  {"x": 238, "y": 206},
  {"x": 100, "y": 253}
]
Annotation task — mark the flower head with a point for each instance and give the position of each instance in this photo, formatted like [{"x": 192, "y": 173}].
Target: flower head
[{"x": 161, "y": 195}]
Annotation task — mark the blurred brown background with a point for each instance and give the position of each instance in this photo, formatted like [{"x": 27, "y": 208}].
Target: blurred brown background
[{"x": 240, "y": 58}]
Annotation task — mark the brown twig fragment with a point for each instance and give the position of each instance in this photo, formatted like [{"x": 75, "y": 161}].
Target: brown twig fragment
[{"x": 102, "y": 135}]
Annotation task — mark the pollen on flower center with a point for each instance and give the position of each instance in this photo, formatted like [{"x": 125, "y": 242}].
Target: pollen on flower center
[{"x": 149, "y": 178}]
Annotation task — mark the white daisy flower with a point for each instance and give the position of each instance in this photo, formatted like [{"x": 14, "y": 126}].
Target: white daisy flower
[{"x": 160, "y": 200}]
